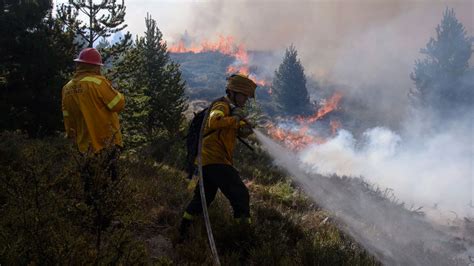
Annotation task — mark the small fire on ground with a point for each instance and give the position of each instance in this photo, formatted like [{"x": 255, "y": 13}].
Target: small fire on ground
[{"x": 297, "y": 137}]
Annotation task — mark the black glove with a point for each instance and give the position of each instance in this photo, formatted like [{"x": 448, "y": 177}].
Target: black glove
[
  {"x": 245, "y": 130},
  {"x": 239, "y": 113}
]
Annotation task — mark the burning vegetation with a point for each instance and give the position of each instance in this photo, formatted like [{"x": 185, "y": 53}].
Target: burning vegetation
[
  {"x": 225, "y": 45},
  {"x": 307, "y": 129},
  {"x": 325, "y": 215}
]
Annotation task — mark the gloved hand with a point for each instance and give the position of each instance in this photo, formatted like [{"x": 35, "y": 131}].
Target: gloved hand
[
  {"x": 239, "y": 113},
  {"x": 245, "y": 130}
]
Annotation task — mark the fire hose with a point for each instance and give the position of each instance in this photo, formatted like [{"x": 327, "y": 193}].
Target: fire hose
[{"x": 205, "y": 212}]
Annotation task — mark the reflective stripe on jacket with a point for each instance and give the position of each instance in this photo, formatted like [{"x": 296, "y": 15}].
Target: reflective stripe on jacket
[
  {"x": 90, "y": 109},
  {"x": 218, "y": 147}
]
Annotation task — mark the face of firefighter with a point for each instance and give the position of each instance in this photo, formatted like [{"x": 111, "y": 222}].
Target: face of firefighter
[{"x": 240, "y": 99}]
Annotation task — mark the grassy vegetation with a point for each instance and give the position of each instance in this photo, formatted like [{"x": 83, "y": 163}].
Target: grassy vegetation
[{"x": 45, "y": 219}]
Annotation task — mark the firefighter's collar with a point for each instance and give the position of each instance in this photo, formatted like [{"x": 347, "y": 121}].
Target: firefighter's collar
[{"x": 231, "y": 104}]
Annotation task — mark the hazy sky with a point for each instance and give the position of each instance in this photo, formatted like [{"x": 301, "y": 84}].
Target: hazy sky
[
  {"x": 248, "y": 19},
  {"x": 320, "y": 29}
]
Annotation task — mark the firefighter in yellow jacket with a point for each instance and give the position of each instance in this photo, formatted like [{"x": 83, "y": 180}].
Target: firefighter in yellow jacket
[
  {"x": 90, "y": 105},
  {"x": 90, "y": 110},
  {"x": 226, "y": 121}
]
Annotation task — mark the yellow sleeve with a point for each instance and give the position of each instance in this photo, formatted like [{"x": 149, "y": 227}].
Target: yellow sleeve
[
  {"x": 114, "y": 100},
  {"x": 219, "y": 117}
]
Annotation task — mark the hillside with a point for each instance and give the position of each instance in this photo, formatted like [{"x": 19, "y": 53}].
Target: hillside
[
  {"x": 42, "y": 206},
  {"x": 204, "y": 73}
]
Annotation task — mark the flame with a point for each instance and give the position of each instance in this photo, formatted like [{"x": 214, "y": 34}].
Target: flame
[
  {"x": 241, "y": 55},
  {"x": 335, "y": 125},
  {"x": 238, "y": 69},
  {"x": 241, "y": 64},
  {"x": 301, "y": 136},
  {"x": 294, "y": 140},
  {"x": 225, "y": 45},
  {"x": 259, "y": 82},
  {"x": 329, "y": 106}
]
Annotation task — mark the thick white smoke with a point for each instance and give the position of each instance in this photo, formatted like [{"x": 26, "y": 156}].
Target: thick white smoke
[
  {"x": 434, "y": 172},
  {"x": 417, "y": 174}
]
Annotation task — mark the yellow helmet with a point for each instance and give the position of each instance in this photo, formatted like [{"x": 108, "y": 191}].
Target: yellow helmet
[{"x": 241, "y": 83}]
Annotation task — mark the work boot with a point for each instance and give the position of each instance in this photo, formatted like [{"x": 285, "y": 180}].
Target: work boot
[
  {"x": 241, "y": 237},
  {"x": 184, "y": 228}
]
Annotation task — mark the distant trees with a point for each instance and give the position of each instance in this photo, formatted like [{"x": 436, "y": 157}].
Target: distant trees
[
  {"x": 155, "y": 88},
  {"x": 35, "y": 60},
  {"x": 289, "y": 85},
  {"x": 444, "y": 83}
]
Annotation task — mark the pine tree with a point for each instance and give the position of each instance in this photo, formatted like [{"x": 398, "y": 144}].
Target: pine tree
[
  {"x": 154, "y": 87},
  {"x": 289, "y": 85},
  {"x": 135, "y": 115},
  {"x": 439, "y": 76},
  {"x": 103, "y": 20},
  {"x": 35, "y": 62}
]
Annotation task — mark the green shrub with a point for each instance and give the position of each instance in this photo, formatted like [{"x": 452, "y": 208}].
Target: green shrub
[{"x": 45, "y": 216}]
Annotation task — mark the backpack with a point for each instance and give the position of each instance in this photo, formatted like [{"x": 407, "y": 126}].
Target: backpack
[{"x": 192, "y": 138}]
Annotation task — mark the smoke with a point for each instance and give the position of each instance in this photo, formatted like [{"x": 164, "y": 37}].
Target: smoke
[
  {"x": 428, "y": 166},
  {"x": 367, "y": 48},
  {"x": 393, "y": 234},
  {"x": 427, "y": 163},
  {"x": 435, "y": 174}
]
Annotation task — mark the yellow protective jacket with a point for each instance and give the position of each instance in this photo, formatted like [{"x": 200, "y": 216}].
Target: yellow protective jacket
[
  {"x": 90, "y": 109},
  {"x": 218, "y": 147}
]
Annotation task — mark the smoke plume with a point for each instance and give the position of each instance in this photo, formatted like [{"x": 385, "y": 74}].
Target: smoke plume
[{"x": 373, "y": 217}]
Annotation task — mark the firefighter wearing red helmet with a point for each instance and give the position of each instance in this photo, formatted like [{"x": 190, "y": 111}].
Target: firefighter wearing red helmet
[
  {"x": 90, "y": 105},
  {"x": 90, "y": 56}
]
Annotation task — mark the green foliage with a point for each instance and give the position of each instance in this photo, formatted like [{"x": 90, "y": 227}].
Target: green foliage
[
  {"x": 155, "y": 93},
  {"x": 289, "y": 85},
  {"x": 42, "y": 204},
  {"x": 103, "y": 20},
  {"x": 46, "y": 218},
  {"x": 439, "y": 76},
  {"x": 162, "y": 81},
  {"x": 35, "y": 60}
]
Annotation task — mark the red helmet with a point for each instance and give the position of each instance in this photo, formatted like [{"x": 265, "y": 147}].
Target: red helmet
[{"x": 90, "y": 56}]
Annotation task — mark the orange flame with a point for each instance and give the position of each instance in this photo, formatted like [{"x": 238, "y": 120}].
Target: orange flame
[
  {"x": 335, "y": 125},
  {"x": 224, "y": 45},
  {"x": 238, "y": 69},
  {"x": 297, "y": 140},
  {"x": 260, "y": 82},
  {"x": 329, "y": 106},
  {"x": 242, "y": 55},
  {"x": 293, "y": 140}
]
